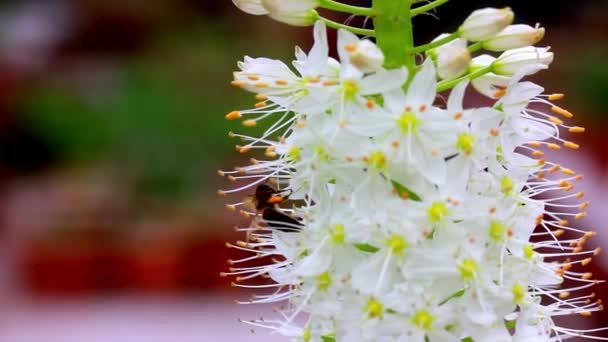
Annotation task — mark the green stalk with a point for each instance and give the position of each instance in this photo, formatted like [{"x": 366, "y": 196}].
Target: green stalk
[
  {"x": 475, "y": 47},
  {"x": 448, "y": 84},
  {"x": 394, "y": 33},
  {"x": 355, "y": 30},
  {"x": 442, "y": 41},
  {"x": 340, "y": 7}
]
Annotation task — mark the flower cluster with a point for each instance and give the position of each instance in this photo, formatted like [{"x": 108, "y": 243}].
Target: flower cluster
[{"x": 399, "y": 215}]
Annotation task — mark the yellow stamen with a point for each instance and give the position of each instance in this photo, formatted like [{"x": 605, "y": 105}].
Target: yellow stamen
[
  {"x": 234, "y": 115},
  {"x": 562, "y": 112},
  {"x": 556, "y": 97},
  {"x": 577, "y": 129},
  {"x": 571, "y": 145}
]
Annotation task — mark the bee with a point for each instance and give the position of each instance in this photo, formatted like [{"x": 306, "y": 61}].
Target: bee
[{"x": 266, "y": 201}]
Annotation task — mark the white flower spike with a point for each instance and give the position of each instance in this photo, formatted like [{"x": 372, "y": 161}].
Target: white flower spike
[{"x": 381, "y": 211}]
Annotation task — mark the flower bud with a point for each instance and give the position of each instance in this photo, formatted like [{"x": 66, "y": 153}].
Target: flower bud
[
  {"x": 515, "y": 36},
  {"x": 367, "y": 57},
  {"x": 251, "y": 6},
  {"x": 512, "y": 61},
  {"x": 485, "y": 23},
  {"x": 452, "y": 59},
  {"x": 292, "y": 12}
]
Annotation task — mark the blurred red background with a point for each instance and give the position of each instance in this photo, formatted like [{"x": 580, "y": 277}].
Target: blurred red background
[{"x": 111, "y": 129}]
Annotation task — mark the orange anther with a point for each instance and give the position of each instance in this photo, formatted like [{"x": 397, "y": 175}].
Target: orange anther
[
  {"x": 234, "y": 115},
  {"x": 562, "y": 112},
  {"x": 350, "y": 47},
  {"x": 577, "y": 129},
  {"x": 571, "y": 145},
  {"x": 556, "y": 97}
]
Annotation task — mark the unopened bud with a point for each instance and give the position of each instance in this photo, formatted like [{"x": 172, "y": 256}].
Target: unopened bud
[
  {"x": 515, "y": 36},
  {"x": 367, "y": 57},
  {"x": 254, "y": 7},
  {"x": 513, "y": 61},
  {"x": 292, "y": 12},
  {"x": 452, "y": 59},
  {"x": 485, "y": 23}
]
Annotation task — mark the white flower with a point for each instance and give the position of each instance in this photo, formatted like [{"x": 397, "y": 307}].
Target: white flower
[
  {"x": 515, "y": 36},
  {"x": 485, "y": 23},
  {"x": 512, "y": 61},
  {"x": 452, "y": 59}
]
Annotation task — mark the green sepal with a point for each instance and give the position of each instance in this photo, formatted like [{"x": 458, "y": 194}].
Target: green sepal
[
  {"x": 365, "y": 247},
  {"x": 403, "y": 191}
]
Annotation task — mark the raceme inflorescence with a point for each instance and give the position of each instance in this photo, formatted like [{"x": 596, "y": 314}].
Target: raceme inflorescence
[{"x": 383, "y": 209}]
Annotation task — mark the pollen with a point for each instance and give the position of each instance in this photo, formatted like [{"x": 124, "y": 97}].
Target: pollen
[
  {"x": 529, "y": 252},
  {"x": 238, "y": 83},
  {"x": 281, "y": 82},
  {"x": 370, "y": 104},
  {"x": 378, "y": 160},
  {"x": 497, "y": 231},
  {"x": 556, "y": 120},
  {"x": 458, "y": 116},
  {"x": 519, "y": 293},
  {"x": 374, "y": 308},
  {"x": 562, "y": 112},
  {"x": 586, "y": 261},
  {"x": 253, "y": 77},
  {"x": 577, "y": 129},
  {"x": 500, "y": 93},
  {"x": 437, "y": 212},
  {"x": 538, "y": 153},
  {"x": 397, "y": 244},
  {"x": 556, "y": 97},
  {"x": 234, "y": 115},
  {"x": 262, "y": 85},
  {"x": 571, "y": 145},
  {"x": 580, "y": 216},
  {"x": 423, "y": 320},
  {"x": 338, "y": 235},
  {"x": 554, "y": 146},
  {"x": 261, "y": 97},
  {"x": 583, "y": 206},
  {"x": 468, "y": 268},
  {"x": 250, "y": 123},
  {"x": 329, "y": 83},
  {"x": 466, "y": 143},
  {"x": 350, "y": 47},
  {"x": 494, "y": 132},
  {"x": 323, "y": 281}
]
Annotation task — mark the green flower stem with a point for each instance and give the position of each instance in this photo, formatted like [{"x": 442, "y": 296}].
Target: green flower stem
[
  {"x": 475, "y": 47},
  {"x": 445, "y": 85},
  {"x": 442, "y": 41},
  {"x": 340, "y": 7},
  {"x": 355, "y": 30},
  {"x": 394, "y": 34},
  {"x": 428, "y": 7}
]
